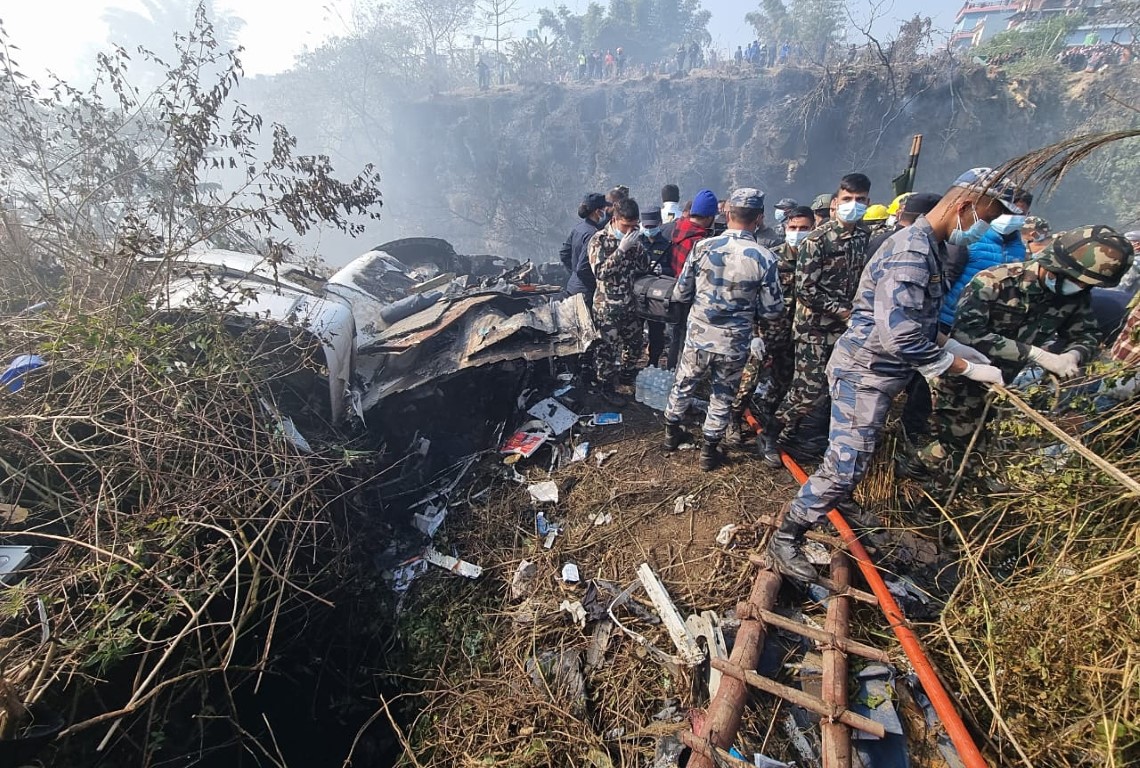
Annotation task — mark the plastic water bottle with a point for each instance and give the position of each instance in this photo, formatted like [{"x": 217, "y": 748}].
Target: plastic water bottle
[
  {"x": 644, "y": 376},
  {"x": 541, "y": 524}
]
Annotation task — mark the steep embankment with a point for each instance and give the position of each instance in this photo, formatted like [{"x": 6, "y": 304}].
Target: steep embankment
[{"x": 503, "y": 171}]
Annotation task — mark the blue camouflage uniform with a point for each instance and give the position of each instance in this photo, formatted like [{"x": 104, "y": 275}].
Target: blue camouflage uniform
[
  {"x": 892, "y": 333},
  {"x": 732, "y": 281}
]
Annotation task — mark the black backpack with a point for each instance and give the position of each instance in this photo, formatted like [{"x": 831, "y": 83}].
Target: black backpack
[{"x": 653, "y": 299}]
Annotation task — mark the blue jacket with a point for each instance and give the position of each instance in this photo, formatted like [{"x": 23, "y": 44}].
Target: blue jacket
[
  {"x": 993, "y": 250},
  {"x": 575, "y": 259}
]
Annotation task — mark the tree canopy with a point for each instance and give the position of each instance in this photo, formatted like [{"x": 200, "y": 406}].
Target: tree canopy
[{"x": 647, "y": 30}]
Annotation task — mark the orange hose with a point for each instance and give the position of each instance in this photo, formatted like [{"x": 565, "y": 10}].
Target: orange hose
[{"x": 939, "y": 699}]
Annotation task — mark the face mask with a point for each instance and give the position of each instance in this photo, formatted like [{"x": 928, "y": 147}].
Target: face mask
[
  {"x": 795, "y": 238},
  {"x": 1067, "y": 287},
  {"x": 851, "y": 211},
  {"x": 1005, "y": 224},
  {"x": 780, "y": 215},
  {"x": 972, "y": 235},
  {"x": 651, "y": 232}
]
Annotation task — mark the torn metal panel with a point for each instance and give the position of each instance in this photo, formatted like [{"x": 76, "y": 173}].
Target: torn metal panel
[{"x": 475, "y": 331}]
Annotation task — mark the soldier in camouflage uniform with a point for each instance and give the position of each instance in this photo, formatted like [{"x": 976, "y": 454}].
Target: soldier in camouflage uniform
[
  {"x": 1008, "y": 312},
  {"x": 617, "y": 257},
  {"x": 659, "y": 254},
  {"x": 774, "y": 369},
  {"x": 892, "y": 334},
  {"x": 731, "y": 282},
  {"x": 827, "y": 271}
]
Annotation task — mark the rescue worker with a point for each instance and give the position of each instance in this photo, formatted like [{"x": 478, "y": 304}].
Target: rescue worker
[
  {"x": 1002, "y": 244},
  {"x": 1010, "y": 313},
  {"x": 617, "y": 257},
  {"x": 781, "y": 212},
  {"x": 731, "y": 282},
  {"x": 1130, "y": 283},
  {"x": 670, "y": 203},
  {"x": 591, "y": 211},
  {"x": 828, "y": 265},
  {"x": 767, "y": 236},
  {"x": 1035, "y": 233},
  {"x": 658, "y": 251},
  {"x": 822, "y": 208},
  {"x": 904, "y": 210},
  {"x": 893, "y": 333},
  {"x": 773, "y": 371},
  {"x": 875, "y": 218},
  {"x": 684, "y": 234}
]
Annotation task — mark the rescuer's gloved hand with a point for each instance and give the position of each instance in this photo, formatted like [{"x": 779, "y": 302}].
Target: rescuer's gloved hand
[
  {"x": 965, "y": 351},
  {"x": 983, "y": 374},
  {"x": 1065, "y": 365}
]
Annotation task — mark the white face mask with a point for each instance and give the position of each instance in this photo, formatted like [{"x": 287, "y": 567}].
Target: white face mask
[
  {"x": 795, "y": 238},
  {"x": 1007, "y": 223},
  {"x": 851, "y": 211},
  {"x": 780, "y": 215}
]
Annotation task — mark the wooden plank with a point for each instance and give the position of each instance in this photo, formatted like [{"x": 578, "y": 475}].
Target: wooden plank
[
  {"x": 836, "y": 736},
  {"x": 825, "y": 637},
  {"x": 799, "y": 698}
]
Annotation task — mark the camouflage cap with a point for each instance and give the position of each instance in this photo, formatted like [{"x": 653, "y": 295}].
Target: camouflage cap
[
  {"x": 786, "y": 203},
  {"x": 920, "y": 203},
  {"x": 1037, "y": 224},
  {"x": 822, "y": 202},
  {"x": 989, "y": 183},
  {"x": 1094, "y": 255},
  {"x": 747, "y": 197}
]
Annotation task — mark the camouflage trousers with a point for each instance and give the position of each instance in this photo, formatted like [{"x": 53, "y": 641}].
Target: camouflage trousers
[
  {"x": 959, "y": 404},
  {"x": 618, "y": 349},
  {"x": 808, "y": 388},
  {"x": 860, "y": 401},
  {"x": 725, "y": 370},
  {"x": 772, "y": 375}
]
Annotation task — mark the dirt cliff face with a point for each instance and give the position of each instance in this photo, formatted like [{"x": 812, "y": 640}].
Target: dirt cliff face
[{"x": 502, "y": 172}]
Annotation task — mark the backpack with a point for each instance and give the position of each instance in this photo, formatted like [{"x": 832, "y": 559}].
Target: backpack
[{"x": 653, "y": 299}]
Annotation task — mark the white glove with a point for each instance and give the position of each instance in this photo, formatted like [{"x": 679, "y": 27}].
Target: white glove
[
  {"x": 965, "y": 351},
  {"x": 1065, "y": 365},
  {"x": 628, "y": 241},
  {"x": 757, "y": 348},
  {"x": 983, "y": 374}
]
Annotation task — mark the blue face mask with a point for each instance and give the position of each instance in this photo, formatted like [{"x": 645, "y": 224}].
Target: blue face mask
[
  {"x": 851, "y": 211},
  {"x": 970, "y": 236},
  {"x": 795, "y": 238},
  {"x": 1067, "y": 288},
  {"x": 780, "y": 215},
  {"x": 651, "y": 232},
  {"x": 1007, "y": 223}
]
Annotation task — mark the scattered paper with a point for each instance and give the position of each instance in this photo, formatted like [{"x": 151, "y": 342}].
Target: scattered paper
[
  {"x": 604, "y": 419},
  {"x": 601, "y": 518},
  {"x": 576, "y": 611},
  {"x": 430, "y": 519},
  {"x": 602, "y": 456},
  {"x": 581, "y": 450},
  {"x": 453, "y": 564},
  {"x": 551, "y": 535},
  {"x": 527, "y": 439},
  {"x": 683, "y": 502},
  {"x": 724, "y": 535},
  {"x": 570, "y": 573},
  {"x": 523, "y": 580},
  {"x": 554, "y": 414},
  {"x": 406, "y": 572},
  {"x": 546, "y": 491}
]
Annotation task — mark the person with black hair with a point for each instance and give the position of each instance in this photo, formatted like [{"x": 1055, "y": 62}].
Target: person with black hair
[{"x": 573, "y": 255}]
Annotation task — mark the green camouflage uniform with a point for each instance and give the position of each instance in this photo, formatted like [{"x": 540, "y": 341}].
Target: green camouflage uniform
[
  {"x": 828, "y": 266},
  {"x": 1002, "y": 313},
  {"x": 620, "y": 329},
  {"x": 776, "y": 368}
]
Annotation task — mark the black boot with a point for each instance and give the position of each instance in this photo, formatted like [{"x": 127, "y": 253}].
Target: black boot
[
  {"x": 710, "y": 455},
  {"x": 675, "y": 434},
  {"x": 769, "y": 452},
  {"x": 784, "y": 549}
]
